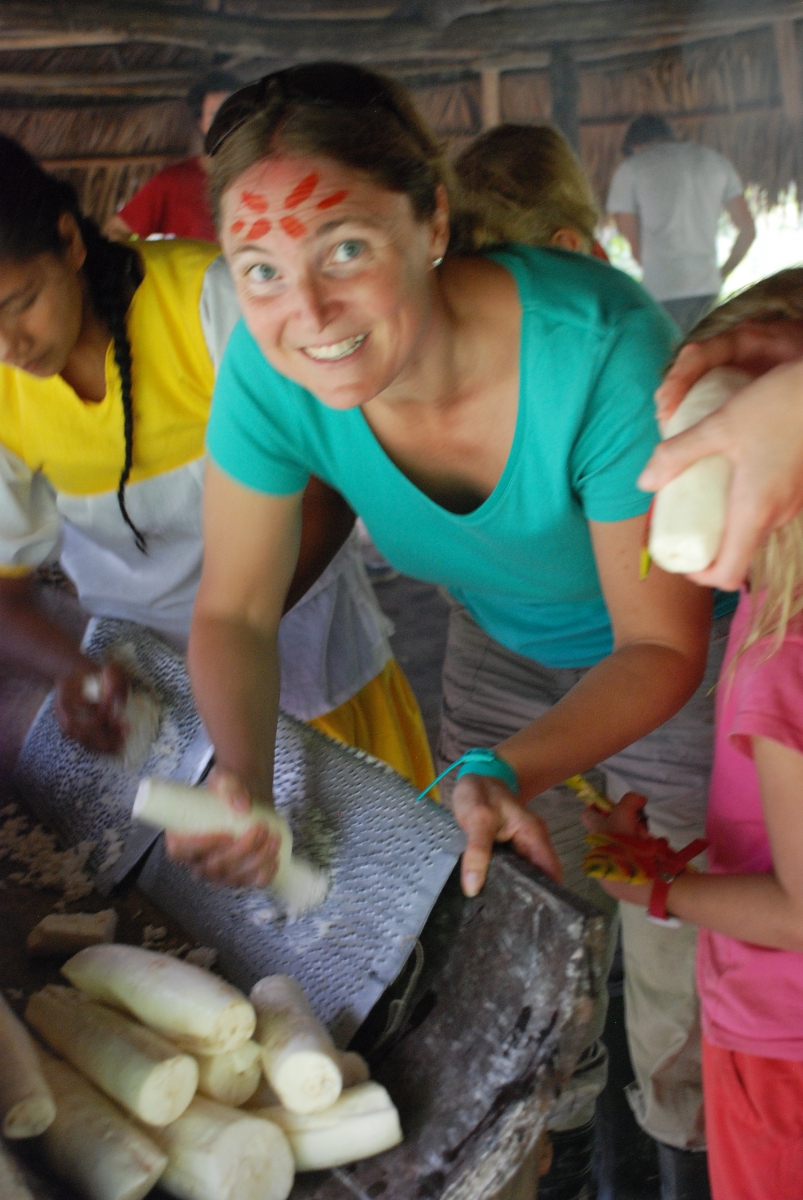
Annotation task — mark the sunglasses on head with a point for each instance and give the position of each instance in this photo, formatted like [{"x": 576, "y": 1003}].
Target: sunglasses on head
[{"x": 331, "y": 85}]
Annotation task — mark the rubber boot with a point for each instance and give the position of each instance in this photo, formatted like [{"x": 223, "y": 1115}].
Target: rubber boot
[
  {"x": 569, "y": 1177},
  {"x": 684, "y": 1174}
]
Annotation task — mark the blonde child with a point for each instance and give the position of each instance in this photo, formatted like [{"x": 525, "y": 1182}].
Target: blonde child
[
  {"x": 524, "y": 183},
  {"x": 749, "y": 902}
]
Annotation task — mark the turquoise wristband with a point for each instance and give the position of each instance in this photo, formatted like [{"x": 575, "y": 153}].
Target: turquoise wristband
[{"x": 480, "y": 762}]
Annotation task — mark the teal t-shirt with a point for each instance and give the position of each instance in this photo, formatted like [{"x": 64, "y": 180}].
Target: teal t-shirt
[{"x": 593, "y": 345}]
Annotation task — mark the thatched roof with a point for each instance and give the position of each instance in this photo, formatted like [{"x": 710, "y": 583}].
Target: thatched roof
[{"x": 95, "y": 88}]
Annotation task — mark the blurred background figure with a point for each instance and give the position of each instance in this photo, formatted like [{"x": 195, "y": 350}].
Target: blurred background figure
[
  {"x": 175, "y": 201},
  {"x": 524, "y": 183},
  {"x": 666, "y": 199}
]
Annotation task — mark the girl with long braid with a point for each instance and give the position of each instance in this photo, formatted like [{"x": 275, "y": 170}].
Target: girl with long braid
[{"x": 108, "y": 356}]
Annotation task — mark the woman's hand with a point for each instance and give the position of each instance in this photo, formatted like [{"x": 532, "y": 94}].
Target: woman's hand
[
  {"x": 760, "y": 430},
  {"x": 90, "y": 706},
  {"x": 488, "y": 812},
  {"x": 250, "y": 860}
]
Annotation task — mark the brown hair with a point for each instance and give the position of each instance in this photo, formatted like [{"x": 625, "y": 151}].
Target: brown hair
[
  {"x": 387, "y": 140},
  {"x": 522, "y": 183},
  {"x": 776, "y": 580}
]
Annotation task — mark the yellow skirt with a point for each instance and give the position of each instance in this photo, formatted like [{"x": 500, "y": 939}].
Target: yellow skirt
[{"x": 384, "y": 720}]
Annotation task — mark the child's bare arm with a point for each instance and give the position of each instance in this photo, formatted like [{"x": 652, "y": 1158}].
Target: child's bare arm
[{"x": 765, "y": 909}]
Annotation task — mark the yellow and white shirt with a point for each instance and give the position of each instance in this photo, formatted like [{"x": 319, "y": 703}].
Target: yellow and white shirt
[{"x": 60, "y": 462}]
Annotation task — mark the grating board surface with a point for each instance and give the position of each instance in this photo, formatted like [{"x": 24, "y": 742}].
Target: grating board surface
[
  {"x": 388, "y": 856},
  {"x": 86, "y": 796}
]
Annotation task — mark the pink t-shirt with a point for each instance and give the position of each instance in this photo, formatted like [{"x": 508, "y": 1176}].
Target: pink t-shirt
[{"x": 752, "y": 997}]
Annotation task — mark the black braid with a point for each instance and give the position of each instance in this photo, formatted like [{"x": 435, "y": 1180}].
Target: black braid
[
  {"x": 113, "y": 272},
  {"x": 31, "y": 203}
]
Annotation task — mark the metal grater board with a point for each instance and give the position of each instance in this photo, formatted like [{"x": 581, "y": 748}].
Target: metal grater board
[
  {"x": 86, "y": 796},
  {"x": 389, "y": 857}
]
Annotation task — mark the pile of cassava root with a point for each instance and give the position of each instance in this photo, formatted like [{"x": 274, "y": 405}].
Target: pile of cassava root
[{"x": 148, "y": 1065}]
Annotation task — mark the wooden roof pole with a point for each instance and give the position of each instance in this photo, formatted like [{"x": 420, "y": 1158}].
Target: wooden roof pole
[
  {"x": 490, "y": 97},
  {"x": 788, "y": 68},
  {"x": 564, "y": 84}
]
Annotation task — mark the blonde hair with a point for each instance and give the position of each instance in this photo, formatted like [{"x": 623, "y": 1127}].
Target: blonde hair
[
  {"x": 776, "y": 578},
  {"x": 522, "y": 183}
]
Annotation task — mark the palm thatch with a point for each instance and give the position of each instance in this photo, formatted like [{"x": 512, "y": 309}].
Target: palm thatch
[{"x": 101, "y": 104}]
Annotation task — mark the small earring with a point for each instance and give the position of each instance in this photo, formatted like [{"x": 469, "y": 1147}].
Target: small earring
[{"x": 436, "y": 262}]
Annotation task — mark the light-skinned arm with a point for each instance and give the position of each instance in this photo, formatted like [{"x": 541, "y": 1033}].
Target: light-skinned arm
[
  {"x": 661, "y": 628},
  {"x": 629, "y": 226},
  {"x": 764, "y": 909},
  {"x": 740, "y": 214}
]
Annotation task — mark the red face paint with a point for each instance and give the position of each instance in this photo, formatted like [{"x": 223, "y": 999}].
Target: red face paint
[
  {"x": 293, "y": 227},
  {"x": 259, "y": 228},
  {"x": 331, "y": 201},
  {"x": 302, "y": 191},
  {"x": 237, "y": 227},
  {"x": 257, "y": 204}
]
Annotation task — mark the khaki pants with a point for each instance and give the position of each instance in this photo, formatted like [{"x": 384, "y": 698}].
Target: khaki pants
[{"x": 489, "y": 693}]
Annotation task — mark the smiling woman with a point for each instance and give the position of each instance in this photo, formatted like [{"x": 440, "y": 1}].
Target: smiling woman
[{"x": 488, "y": 418}]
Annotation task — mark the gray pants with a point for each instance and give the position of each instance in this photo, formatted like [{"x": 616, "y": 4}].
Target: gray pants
[
  {"x": 489, "y": 693},
  {"x": 688, "y": 310}
]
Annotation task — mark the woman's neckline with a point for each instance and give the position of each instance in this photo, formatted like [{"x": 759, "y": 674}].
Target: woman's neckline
[{"x": 494, "y": 497}]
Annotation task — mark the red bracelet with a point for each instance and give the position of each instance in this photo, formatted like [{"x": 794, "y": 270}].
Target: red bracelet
[{"x": 656, "y": 910}]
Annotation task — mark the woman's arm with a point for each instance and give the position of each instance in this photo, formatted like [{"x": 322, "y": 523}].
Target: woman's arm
[
  {"x": 34, "y": 644},
  {"x": 661, "y": 628},
  {"x": 251, "y": 544},
  {"x": 766, "y": 910}
]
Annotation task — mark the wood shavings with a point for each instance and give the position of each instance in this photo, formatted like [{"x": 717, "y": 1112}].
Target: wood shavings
[
  {"x": 152, "y": 935},
  {"x": 202, "y": 956},
  {"x": 45, "y": 865}
]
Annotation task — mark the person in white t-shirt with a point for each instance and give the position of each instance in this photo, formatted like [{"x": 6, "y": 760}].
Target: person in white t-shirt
[{"x": 666, "y": 198}]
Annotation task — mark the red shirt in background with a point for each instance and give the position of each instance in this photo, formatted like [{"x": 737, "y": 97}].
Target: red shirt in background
[{"x": 173, "y": 201}]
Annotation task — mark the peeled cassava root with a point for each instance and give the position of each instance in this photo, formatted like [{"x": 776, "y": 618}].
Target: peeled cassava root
[
  {"x": 220, "y": 1153},
  {"x": 92, "y": 1146},
  {"x": 26, "y": 1102},
  {"x": 231, "y": 1078},
  {"x": 362, "y": 1122},
  {"x": 298, "y": 1055},
  {"x": 135, "y": 1066},
  {"x": 141, "y": 717},
  {"x": 688, "y": 517},
  {"x": 196, "y": 811},
  {"x": 67, "y": 933},
  {"x": 195, "y": 1009}
]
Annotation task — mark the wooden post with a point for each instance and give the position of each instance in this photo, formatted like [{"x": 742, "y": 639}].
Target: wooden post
[
  {"x": 564, "y": 84},
  {"x": 490, "y": 97},
  {"x": 788, "y": 68}
]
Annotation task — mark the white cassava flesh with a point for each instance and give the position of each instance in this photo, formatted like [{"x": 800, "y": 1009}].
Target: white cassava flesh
[
  {"x": 26, "y": 1102},
  {"x": 194, "y": 1008},
  {"x": 12, "y": 1182},
  {"x": 195, "y": 811},
  {"x": 141, "y": 717},
  {"x": 231, "y": 1078},
  {"x": 142, "y": 1071},
  {"x": 298, "y": 1055},
  {"x": 219, "y": 1153},
  {"x": 363, "y": 1122},
  {"x": 92, "y": 1146},
  {"x": 353, "y": 1068},
  {"x": 688, "y": 517},
  {"x": 67, "y": 933}
]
